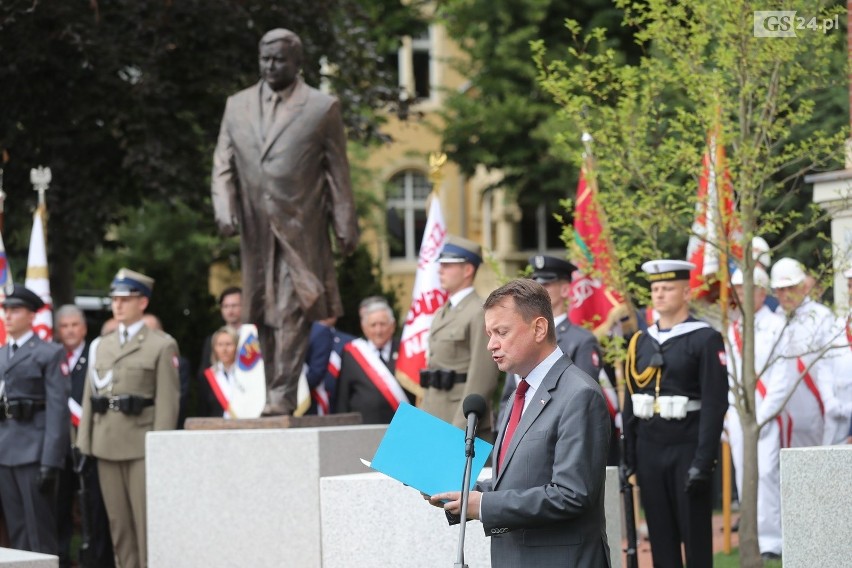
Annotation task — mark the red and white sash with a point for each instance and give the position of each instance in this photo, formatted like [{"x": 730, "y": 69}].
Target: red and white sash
[
  {"x": 76, "y": 411},
  {"x": 220, "y": 385},
  {"x": 334, "y": 364},
  {"x": 320, "y": 396},
  {"x": 377, "y": 372},
  {"x": 761, "y": 389},
  {"x": 809, "y": 382}
]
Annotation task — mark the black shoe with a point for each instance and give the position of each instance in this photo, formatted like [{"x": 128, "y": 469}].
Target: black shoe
[
  {"x": 736, "y": 526},
  {"x": 770, "y": 556}
]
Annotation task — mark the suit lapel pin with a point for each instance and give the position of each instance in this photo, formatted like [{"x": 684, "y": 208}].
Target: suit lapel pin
[{"x": 542, "y": 401}]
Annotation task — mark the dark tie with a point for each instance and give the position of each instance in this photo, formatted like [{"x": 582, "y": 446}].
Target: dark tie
[
  {"x": 14, "y": 348},
  {"x": 124, "y": 336},
  {"x": 514, "y": 418}
]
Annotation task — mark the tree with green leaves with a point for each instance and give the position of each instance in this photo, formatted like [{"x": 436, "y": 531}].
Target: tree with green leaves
[
  {"x": 703, "y": 69},
  {"x": 123, "y": 101},
  {"x": 504, "y": 120}
]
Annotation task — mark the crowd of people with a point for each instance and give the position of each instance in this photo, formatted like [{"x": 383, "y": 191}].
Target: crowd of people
[{"x": 75, "y": 415}]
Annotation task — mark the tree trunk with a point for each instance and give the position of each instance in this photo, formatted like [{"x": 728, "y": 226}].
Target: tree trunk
[
  {"x": 62, "y": 280},
  {"x": 749, "y": 548}
]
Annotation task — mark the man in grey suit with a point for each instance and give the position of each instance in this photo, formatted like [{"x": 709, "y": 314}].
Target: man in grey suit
[
  {"x": 281, "y": 177},
  {"x": 545, "y": 504},
  {"x": 34, "y": 423}
]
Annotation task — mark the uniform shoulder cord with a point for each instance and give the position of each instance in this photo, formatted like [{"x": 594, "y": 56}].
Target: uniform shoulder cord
[{"x": 644, "y": 378}]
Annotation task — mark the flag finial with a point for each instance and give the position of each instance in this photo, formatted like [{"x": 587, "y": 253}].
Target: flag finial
[{"x": 40, "y": 178}]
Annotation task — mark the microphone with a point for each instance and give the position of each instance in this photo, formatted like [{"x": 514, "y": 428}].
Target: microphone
[{"x": 474, "y": 407}]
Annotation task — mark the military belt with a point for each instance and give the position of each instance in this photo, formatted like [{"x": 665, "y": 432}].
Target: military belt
[
  {"x": 22, "y": 409},
  {"x": 441, "y": 379},
  {"x": 126, "y": 404}
]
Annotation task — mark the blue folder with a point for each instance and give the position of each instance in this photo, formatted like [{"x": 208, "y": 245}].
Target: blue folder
[{"x": 426, "y": 453}]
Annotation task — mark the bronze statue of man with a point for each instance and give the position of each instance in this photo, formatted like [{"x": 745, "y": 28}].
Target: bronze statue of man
[{"x": 281, "y": 178}]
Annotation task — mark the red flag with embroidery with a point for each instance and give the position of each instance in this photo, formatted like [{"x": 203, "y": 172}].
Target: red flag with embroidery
[
  {"x": 715, "y": 225},
  {"x": 594, "y": 295}
]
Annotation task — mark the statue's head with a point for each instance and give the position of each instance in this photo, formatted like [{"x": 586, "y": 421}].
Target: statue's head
[{"x": 280, "y": 58}]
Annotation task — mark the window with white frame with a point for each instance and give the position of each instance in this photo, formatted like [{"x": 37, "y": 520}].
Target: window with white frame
[
  {"x": 407, "y": 192},
  {"x": 413, "y": 64}
]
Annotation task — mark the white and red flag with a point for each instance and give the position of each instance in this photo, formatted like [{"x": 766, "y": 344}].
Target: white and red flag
[
  {"x": 37, "y": 275},
  {"x": 714, "y": 241},
  {"x": 427, "y": 299}
]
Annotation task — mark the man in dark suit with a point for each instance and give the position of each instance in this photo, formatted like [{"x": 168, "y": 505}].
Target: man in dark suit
[
  {"x": 367, "y": 383},
  {"x": 71, "y": 332},
  {"x": 34, "y": 424},
  {"x": 281, "y": 177},
  {"x": 545, "y": 504}
]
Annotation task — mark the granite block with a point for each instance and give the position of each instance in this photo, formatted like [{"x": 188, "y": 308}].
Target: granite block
[
  {"x": 816, "y": 506},
  {"x": 11, "y": 558},
  {"x": 372, "y": 520},
  {"x": 244, "y": 497},
  {"x": 614, "y": 513}
]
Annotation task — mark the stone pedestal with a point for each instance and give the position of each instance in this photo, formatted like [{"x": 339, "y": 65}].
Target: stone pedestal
[
  {"x": 372, "y": 520},
  {"x": 245, "y": 497},
  {"x": 816, "y": 506},
  {"x": 271, "y": 422},
  {"x": 10, "y": 558}
]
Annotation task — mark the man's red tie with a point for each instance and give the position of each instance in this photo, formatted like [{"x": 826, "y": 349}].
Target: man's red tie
[
  {"x": 514, "y": 418},
  {"x": 69, "y": 356}
]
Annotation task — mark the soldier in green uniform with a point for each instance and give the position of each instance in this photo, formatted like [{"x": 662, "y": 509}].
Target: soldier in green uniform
[
  {"x": 132, "y": 389},
  {"x": 459, "y": 362}
]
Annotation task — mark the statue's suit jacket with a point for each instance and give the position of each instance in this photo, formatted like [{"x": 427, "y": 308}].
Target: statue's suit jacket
[
  {"x": 457, "y": 342},
  {"x": 148, "y": 367},
  {"x": 284, "y": 191},
  {"x": 35, "y": 373},
  {"x": 546, "y": 505}
]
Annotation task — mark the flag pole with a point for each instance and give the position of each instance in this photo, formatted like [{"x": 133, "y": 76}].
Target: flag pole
[
  {"x": 592, "y": 181},
  {"x": 718, "y": 150}
]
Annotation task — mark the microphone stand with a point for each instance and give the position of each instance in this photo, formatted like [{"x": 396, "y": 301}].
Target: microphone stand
[{"x": 468, "y": 466}]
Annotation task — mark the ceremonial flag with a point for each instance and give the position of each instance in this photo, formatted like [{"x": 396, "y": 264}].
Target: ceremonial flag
[
  {"x": 427, "y": 299},
  {"x": 594, "y": 295},
  {"x": 6, "y": 286},
  {"x": 37, "y": 276},
  {"x": 715, "y": 227}
]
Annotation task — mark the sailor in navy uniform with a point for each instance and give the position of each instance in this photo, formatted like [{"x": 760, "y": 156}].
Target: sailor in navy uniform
[
  {"x": 673, "y": 414},
  {"x": 34, "y": 426}
]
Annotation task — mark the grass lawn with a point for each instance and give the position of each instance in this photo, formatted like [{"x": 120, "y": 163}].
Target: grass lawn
[{"x": 732, "y": 560}]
